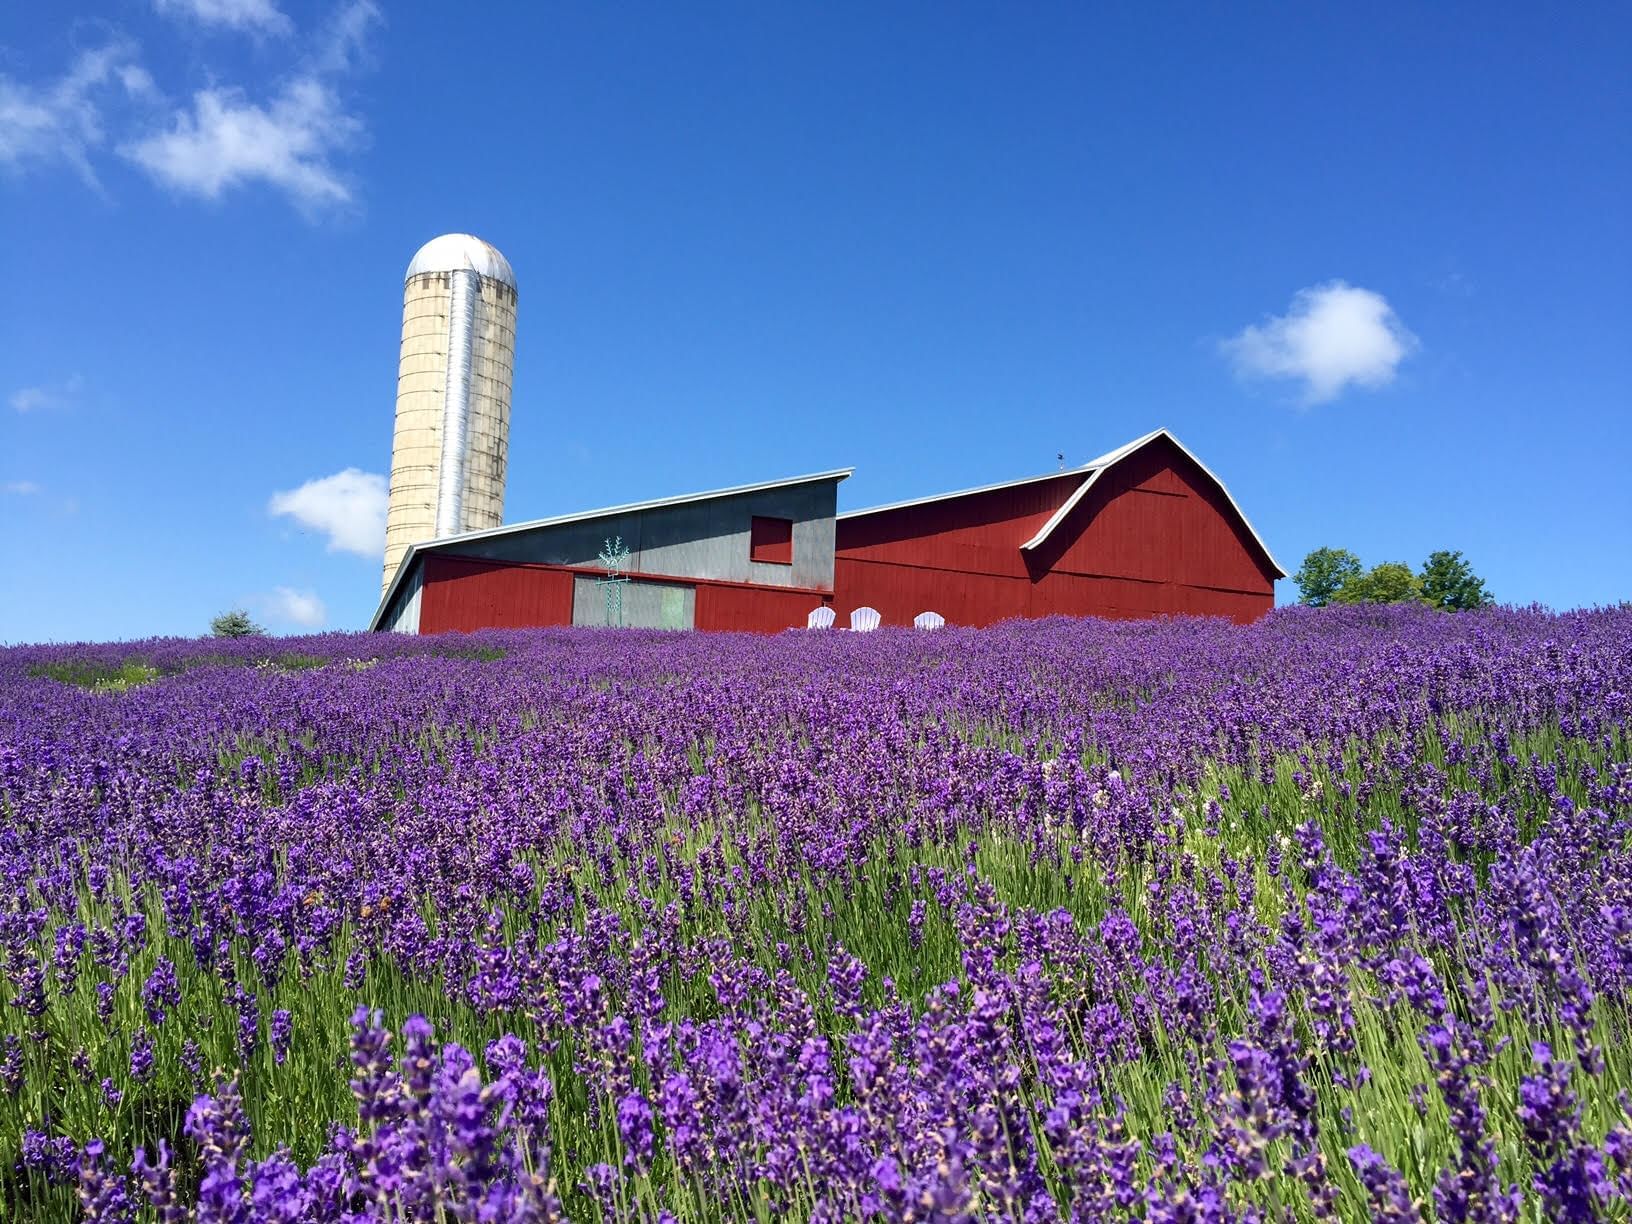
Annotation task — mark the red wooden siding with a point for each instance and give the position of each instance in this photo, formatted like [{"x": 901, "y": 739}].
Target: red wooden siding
[
  {"x": 467, "y": 593},
  {"x": 977, "y": 534},
  {"x": 770, "y": 539},
  {"x": 1156, "y": 517},
  {"x": 755, "y": 609},
  {"x": 1152, "y": 537},
  {"x": 463, "y": 593}
]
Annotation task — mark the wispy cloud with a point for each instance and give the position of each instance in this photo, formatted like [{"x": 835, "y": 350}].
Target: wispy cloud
[
  {"x": 226, "y": 141},
  {"x": 252, "y": 16},
  {"x": 1335, "y": 335},
  {"x": 286, "y": 133},
  {"x": 287, "y": 606},
  {"x": 347, "y": 507},
  {"x": 21, "y": 488},
  {"x": 342, "y": 44},
  {"x": 60, "y": 122},
  {"x": 45, "y": 398},
  {"x": 1454, "y": 284}
]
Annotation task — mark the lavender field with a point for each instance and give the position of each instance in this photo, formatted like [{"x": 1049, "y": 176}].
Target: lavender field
[{"x": 1325, "y": 918}]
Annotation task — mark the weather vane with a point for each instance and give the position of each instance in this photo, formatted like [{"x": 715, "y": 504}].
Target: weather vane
[{"x": 614, "y": 559}]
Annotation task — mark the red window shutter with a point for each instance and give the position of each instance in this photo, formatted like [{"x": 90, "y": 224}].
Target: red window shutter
[{"x": 771, "y": 539}]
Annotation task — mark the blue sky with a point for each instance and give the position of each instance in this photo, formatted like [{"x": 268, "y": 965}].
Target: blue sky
[{"x": 1370, "y": 262}]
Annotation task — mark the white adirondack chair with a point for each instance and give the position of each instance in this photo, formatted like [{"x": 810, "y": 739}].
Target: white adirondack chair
[
  {"x": 929, "y": 620},
  {"x": 864, "y": 620},
  {"x": 820, "y": 618}
]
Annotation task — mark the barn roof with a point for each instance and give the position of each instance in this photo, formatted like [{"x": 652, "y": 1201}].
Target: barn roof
[
  {"x": 405, "y": 566},
  {"x": 1098, "y": 467}
]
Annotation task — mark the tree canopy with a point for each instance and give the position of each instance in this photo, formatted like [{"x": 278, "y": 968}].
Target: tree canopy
[
  {"x": 1390, "y": 582},
  {"x": 1323, "y": 574},
  {"x": 1448, "y": 582},
  {"x": 1336, "y": 576},
  {"x": 235, "y": 623}
]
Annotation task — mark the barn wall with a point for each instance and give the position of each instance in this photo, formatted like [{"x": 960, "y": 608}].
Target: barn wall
[
  {"x": 703, "y": 539},
  {"x": 900, "y": 592},
  {"x": 403, "y": 615},
  {"x": 1156, "y": 517},
  {"x": 646, "y": 605},
  {"x": 1152, "y": 537},
  {"x": 978, "y": 534},
  {"x": 463, "y": 593},
  {"x": 754, "y": 610},
  {"x": 468, "y": 593}
]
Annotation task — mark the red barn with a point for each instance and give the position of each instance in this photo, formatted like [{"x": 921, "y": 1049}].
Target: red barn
[{"x": 1145, "y": 530}]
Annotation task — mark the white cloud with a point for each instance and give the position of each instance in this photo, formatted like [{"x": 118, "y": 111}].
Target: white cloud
[
  {"x": 225, "y": 140},
  {"x": 38, "y": 399},
  {"x": 62, "y": 121},
  {"x": 348, "y": 507},
  {"x": 1334, "y": 335},
  {"x": 30, "y": 399},
  {"x": 291, "y": 607},
  {"x": 21, "y": 488},
  {"x": 342, "y": 46},
  {"x": 287, "y": 133},
  {"x": 257, "y": 16}
]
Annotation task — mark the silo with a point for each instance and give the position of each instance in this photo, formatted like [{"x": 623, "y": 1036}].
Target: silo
[{"x": 452, "y": 438}]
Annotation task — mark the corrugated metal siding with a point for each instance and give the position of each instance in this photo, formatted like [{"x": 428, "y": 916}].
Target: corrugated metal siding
[
  {"x": 706, "y": 540},
  {"x": 646, "y": 605},
  {"x": 404, "y": 616}
]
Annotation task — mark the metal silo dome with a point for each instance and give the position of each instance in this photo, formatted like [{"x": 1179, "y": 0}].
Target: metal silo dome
[{"x": 459, "y": 253}]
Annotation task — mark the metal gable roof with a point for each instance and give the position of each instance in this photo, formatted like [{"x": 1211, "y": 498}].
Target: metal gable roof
[
  {"x": 658, "y": 503},
  {"x": 1106, "y": 461}
]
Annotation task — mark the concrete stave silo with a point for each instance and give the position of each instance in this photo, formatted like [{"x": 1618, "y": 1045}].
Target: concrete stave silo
[{"x": 450, "y": 447}]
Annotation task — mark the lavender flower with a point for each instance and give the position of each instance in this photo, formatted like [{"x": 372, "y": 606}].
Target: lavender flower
[
  {"x": 279, "y": 1033},
  {"x": 141, "y": 1056},
  {"x": 103, "y": 1195},
  {"x": 161, "y": 991}
]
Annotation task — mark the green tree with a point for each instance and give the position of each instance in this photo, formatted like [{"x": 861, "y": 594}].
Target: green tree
[
  {"x": 1323, "y": 574},
  {"x": 1449, "y": 583},
  {"x": 235, "y": 623},
  {"x": 1390, "y": 582}
]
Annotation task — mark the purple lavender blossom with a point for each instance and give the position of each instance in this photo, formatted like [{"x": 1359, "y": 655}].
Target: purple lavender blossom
[
  {"x": 279, "y": 1032},
  {"x": 141, "y": 1056},
  {"x": 161, "y": 991}
]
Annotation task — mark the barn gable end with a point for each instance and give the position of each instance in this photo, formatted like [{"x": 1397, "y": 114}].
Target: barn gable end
[
  {"x": 1146, "y": 530},
  {"x": 1157, "y": 516}
]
